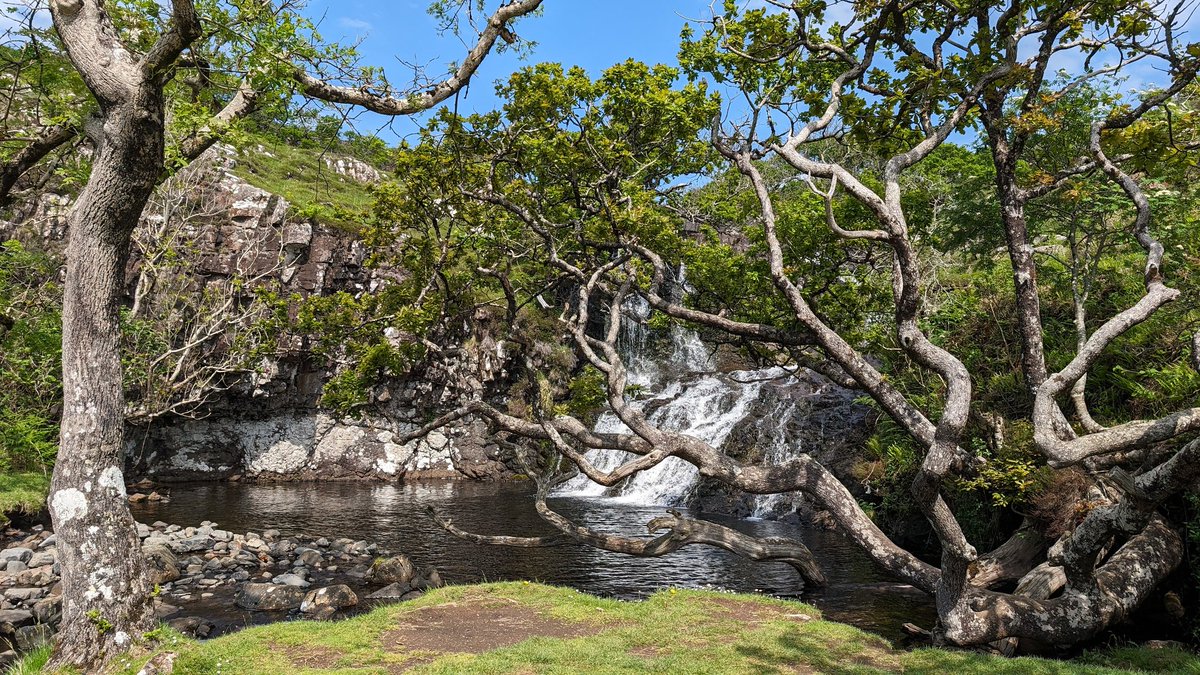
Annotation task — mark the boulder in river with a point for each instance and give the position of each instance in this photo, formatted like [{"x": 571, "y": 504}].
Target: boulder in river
[
  {"x": 192, "y": 626},
  {"x": 391, "y": 592},
  {"x": 269, "y": 597},
  {"x": 428, "y": 579},
  {"x": 19, "y": 553},
  {"x": 330, "y": 597},
  {"x": 199, "y": 542},
  {"x": 161, "y": 564},
  {"x": 395, "y": 570}
]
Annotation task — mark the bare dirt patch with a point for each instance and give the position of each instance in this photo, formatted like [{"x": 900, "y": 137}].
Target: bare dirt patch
[
  {"x": 310, "y": 656},
  {"x": 647, "y": 652},
  {"x": 754, "y": 613},
  {"x": 466, "y": 627}
]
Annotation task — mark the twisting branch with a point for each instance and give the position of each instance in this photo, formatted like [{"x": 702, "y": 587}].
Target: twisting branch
[
  {"x": 831, "y": 220},
  {"x": 1132, "y": 435},
  {"x": 184, "y": 28},
  {"x": 496, "y": 540},
  {"x": 387, "y": 104},
  {"x": 243, "y": 103},
  {"x": 28, "y": 156},
  {"x": 679, "y": 533}
]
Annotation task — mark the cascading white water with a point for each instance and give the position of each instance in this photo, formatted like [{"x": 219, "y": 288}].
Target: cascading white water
[
  {"x": 706, "y": 407},
  {"x": 680, "y": 392}
]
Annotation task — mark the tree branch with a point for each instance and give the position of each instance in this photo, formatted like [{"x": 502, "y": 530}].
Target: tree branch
[
  {"x": 389, "y": 105},
  {"x": 12, "y": 170}
]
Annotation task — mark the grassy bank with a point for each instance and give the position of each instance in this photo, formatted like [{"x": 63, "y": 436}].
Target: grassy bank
[
  {"x": 23, "y": 493},
  {"x": 301, "y": 176},
  {"x": 530, "y": 628}
]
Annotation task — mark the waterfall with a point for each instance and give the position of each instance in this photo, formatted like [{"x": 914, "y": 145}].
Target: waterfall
[
  {"x": 706, "y": 407},
  {"x": 766, "y": 415},
  {"x": 648, "y": 366},
  {"x": 680, "y": 393}
]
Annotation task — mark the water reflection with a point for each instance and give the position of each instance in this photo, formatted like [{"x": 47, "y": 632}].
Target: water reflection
[{"x": 393, "y": 514}]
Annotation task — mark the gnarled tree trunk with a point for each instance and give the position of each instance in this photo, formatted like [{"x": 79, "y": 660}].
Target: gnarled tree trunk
[{"x": 106, "y": 594}]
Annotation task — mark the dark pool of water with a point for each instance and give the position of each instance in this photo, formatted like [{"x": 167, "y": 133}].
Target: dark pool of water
[{"x": 393, "y": 514}]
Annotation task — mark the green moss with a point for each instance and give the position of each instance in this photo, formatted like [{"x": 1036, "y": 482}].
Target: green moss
[
  {"x": 676, "y": 631},
  {"x": 22, "y": 492},
  {"x": 301, "y": 176}
]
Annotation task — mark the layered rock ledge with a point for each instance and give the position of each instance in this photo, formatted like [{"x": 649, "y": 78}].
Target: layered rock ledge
[{"x": 209, "y": 580}]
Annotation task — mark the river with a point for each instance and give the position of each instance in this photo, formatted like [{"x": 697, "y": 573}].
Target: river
[{"x": 393, "y": 514}]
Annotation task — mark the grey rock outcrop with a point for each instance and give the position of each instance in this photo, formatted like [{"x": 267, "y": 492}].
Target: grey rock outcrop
[
  {"x": 395, "y": 570},
  {"x": 305, "y": 444},
  {"x": 269, "y": 423},
  {"x": 269, "y": 597},
  {"x": 354, "y": 169},
  {"x": 329, "y": 598}
]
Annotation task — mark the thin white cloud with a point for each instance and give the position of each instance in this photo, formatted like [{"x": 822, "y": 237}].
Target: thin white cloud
[{"x": 355, "y": 24}]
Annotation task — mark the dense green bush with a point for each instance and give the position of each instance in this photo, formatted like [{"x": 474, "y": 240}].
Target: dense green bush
[{"x": 30, "y": 359}]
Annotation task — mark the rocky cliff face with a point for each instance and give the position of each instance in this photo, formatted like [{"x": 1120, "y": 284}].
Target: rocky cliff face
[
  {"x": 268, "y": 424},
  {"x": 301, "y": 444}
]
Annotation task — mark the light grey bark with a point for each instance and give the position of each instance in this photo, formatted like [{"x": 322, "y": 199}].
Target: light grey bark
[
  {"x": 390, "y": 103},
  {"x": 106, "y": 593},
  {"x": 680, "y": 532}
]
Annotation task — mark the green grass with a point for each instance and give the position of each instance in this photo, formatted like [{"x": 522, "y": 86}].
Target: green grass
[
  {"x": 301, "y": 176},
  {"x": 672, "y": 631},
  {"x": 1140, "y": 659},
  {"x": 22, "y": 492},
  {"x": 32, "y": 663}
]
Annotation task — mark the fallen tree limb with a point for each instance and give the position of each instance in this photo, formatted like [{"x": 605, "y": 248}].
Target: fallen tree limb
[{"x": 680, "y": 532}]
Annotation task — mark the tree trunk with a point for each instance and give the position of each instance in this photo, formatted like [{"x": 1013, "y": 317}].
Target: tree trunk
[
  {"x": 1024, "y": 267},
  {"x": 106, "y": 593}
]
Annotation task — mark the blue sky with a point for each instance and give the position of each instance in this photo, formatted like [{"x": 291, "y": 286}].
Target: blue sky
[{"x": 592, "y": 34}]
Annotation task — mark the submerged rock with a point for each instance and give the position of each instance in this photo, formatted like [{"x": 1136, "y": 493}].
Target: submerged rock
[
  {"x": 269, "y": 597},
  {"x": 430, "y": 579},
  {"x": 330, "y": 597},
  {"x": 391, "y": 592},
  {"x": 192, "y": 626},
  {"x": 291, "y": 580},
  {"x": 309, "y": 557}
]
